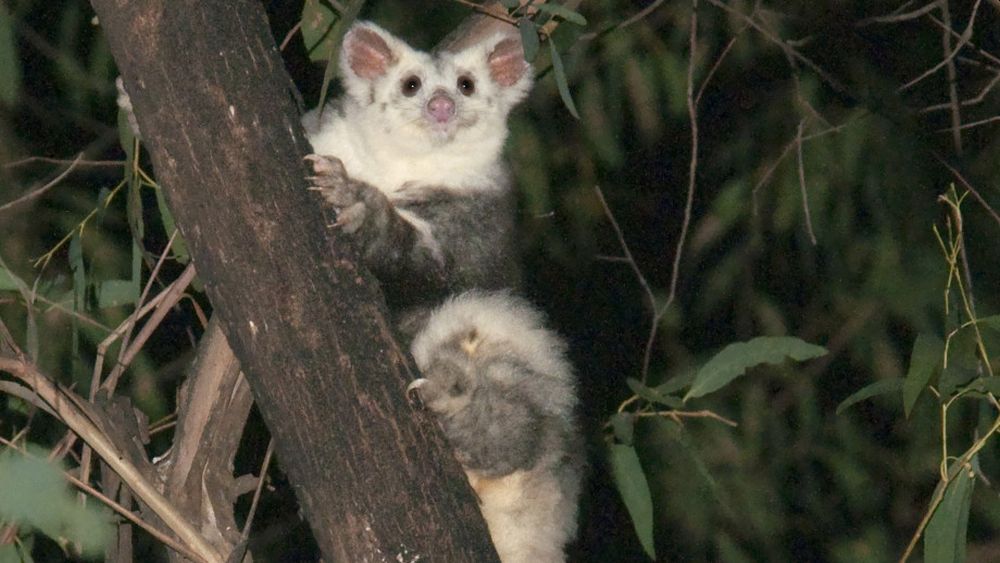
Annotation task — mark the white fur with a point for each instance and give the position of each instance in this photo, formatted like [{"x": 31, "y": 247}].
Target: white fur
[
  {"x": 527, "y": 536},
  {"x": 387, "y": 140}
]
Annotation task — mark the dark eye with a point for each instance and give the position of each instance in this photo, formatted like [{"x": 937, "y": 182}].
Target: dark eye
[
  {"x": 410, "y": 86},
  {"x": 466, "y": 85}
]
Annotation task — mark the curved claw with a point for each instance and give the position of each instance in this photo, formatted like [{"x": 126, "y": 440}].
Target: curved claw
[{"x": 415, "y": 384}]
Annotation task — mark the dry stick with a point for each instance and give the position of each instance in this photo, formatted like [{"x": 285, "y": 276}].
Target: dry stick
[
  {"x": 678, "y": 415},
  {"x": 260, "y": 486},
  {"x": 640, "y": 15},
  {"x": 172, "y": 295},
  {"x": 896, "y": 17},
  {"x": 38, "y": 192},
  {"x": 110, "y": 503},
  {"x": 788, "y": 148},
  {"x": 718, "y": 62},
  {"x": 76, "y": 420},
  {"x": 972, "y": 124},
  {"x": 647, "y": 290},
  {"x": 956, "y": 116},
  {"x": 289, "y": 35},
  {"x": 124, "y": 356},
  {"x": 986, "y": 54},
  {"x": 965, "y": 184},
  {"x": 802, "y": 183},
  {"x": 977, "y": 99},
  {"x": 783, "y": 45},
  {"x": 50, "y": 160},
  {"x": 949, "y": 53},
  {"x": 693, "y": 165}
]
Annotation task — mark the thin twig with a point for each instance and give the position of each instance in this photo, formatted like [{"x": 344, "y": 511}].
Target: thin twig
[
  {"x": 965, "y": 184},
  {"x": 289, "y": 35},
  {"x": 788, "y": 49},
  {"x": 693, "y": 164},
  {"x": 171, "y": 296},
  {"x": 49, "y": 160},
  {"x": 678, "y": 415},
  {"x": 802, "y": 184},
  {"x": 977, "y": 99},
  {"x": 949, "y": 53},
  {"x": 896, "y": 16},
  {"x": 260, "y": 486},
  {"x": 788, "y": 149},
  {"x": 38, "y": 192}
]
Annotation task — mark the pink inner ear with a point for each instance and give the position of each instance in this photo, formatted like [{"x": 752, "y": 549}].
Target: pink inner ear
[
  {"x": 507, "y": 63},
  {"x": 368, "y": 55}
]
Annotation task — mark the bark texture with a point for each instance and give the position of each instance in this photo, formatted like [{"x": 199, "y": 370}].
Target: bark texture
[{"x": 373, "y": 474}]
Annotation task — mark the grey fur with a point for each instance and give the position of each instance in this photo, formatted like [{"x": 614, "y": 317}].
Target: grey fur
[{"x": 505, "y": 395}]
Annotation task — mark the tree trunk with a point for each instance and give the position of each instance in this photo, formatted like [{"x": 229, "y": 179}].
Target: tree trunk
[{"x": 374, "y": 476}]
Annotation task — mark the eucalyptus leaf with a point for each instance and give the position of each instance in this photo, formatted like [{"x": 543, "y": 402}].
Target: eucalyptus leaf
[
  {"x": 881, "y": 387},
  {"x": 944, "y": 538},
  {"x": 623, "y": 425},
  {"x": 318, "y": 20},
  {"x": 563, "y": 12},
  {"x": 34, "y": 493},
  {"x": 652, "y": 395},
  {"x": 735, "y": 359},
  {"x": 561, "y": 82},
  {"x": 676, "y": 383},
  {"x": 529, "y": 38},
  {"x": 114, "y": 293},
  {"x": 925, "y": 359},
  {"x": 8, "y": 281},
  {"x": 179, "y": 247},
  {"x": 634, "y": 489}
]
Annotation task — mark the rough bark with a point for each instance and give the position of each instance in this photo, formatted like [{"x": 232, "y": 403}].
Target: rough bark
[{"x": 373, "y": 474}]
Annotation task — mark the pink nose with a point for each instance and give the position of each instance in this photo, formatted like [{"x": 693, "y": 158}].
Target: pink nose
[{"x": 441, "y": 107}]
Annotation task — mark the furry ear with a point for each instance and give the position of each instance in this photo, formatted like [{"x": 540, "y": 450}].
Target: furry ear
[
  {"x": 368, "y": 52},
  {"x": 507, "y": 67},
  {"x": 506, "y": 62}
]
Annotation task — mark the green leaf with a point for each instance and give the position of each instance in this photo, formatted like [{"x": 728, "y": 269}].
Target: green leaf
[
  {"x": 34, "y": 493},
  {"x": 126, "y": 138},
  {"x": 652, "y": 395},
  {"x": 675, "y": 383},
  {"x": 985, "y": 385},
  {"x": 735, "y": 359},
  {"x": 318, "y": 20},
  {"x": 169, "y": 226},
  {"x": 944, "y": 538},
  {"x": 925, "y": 359},
  {"x": 881, "y": 387},
  {"x": 10, "y": 65},
  {"x": 990, "y": 322},
  {"x": 634, "y": 489},
  {"x": 10, "y": 553},
  {"x": 8, "y": 281},
  {"x": 529, "y": 38},
  {"x": 674, "y": 432},
  {"x": 561, "y": 83},
  {"x": 623, "y": 424},
  {"x": 510, "y": 4},
  {"x": 114, "y": 293},
  {"x": 562, "y": 12}
]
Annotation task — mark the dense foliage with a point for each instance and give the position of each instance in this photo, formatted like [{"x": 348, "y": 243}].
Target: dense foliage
[{"x": 812, "y": 170}]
